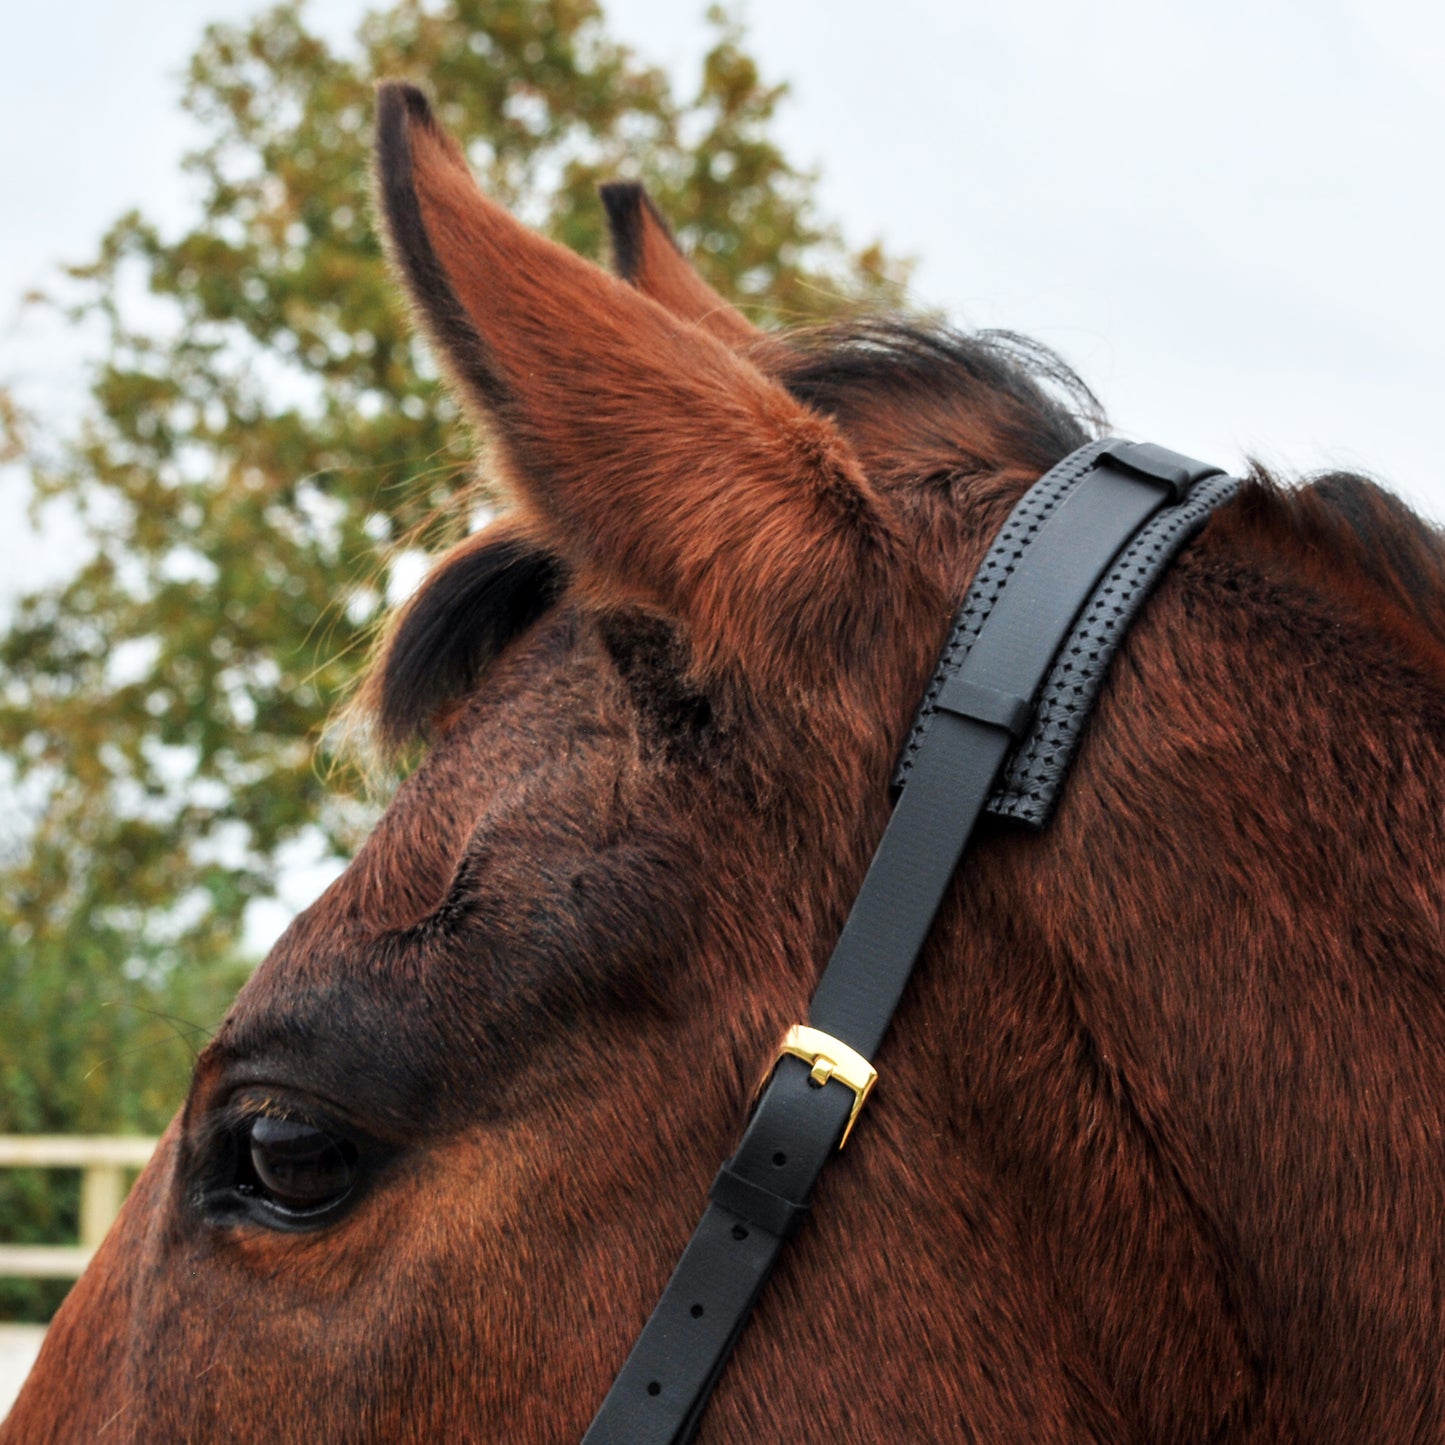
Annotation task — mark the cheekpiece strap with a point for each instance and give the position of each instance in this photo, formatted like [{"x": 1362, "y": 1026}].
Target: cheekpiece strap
[{"x": 998, "y": 727}]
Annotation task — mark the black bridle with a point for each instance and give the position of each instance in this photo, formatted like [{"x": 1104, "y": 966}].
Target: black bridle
[{"x": 997, "y": 730}]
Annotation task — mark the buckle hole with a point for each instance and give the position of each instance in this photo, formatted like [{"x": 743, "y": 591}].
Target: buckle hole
[
  {"x": 739, "y": 1232},
  {"x": 696, "y": 1312},
  {"x": 654, "y": 1387},
  {"x": 780, "y": 1159}
]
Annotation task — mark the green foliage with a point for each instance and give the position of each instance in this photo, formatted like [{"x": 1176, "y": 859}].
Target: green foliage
[{"x": 265, "y": 437}]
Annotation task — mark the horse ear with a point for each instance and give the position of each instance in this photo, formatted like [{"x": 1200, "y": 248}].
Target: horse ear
[
  {"x": 647, "y": 256},
  {"x": 657, "y": 463},
  {"x": 473, "y": 602}
]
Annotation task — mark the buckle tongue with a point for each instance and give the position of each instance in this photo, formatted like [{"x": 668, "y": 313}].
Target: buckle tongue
[{"x": 832, "y": 1061}]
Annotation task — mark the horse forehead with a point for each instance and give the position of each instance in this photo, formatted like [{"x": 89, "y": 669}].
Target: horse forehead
[
  {"x": 545, "y": 733},
  {"x": 540, "y": 836}
]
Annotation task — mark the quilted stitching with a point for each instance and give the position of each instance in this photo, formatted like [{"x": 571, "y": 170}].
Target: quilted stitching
[{"x": 1037, "y": 767}]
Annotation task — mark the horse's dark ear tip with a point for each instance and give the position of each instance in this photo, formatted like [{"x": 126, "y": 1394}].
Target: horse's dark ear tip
[
  {"x": 624, "y": 202},
  {"x": 623, "y": 199},
  {"x": 399, "y": 103},
  {"x": 400, "y": 108}
]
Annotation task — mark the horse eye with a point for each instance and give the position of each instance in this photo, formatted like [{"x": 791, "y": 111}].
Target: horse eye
[{"x": 298, "y": 1166}]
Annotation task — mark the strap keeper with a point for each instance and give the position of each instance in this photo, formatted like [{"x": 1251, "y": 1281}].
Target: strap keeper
[
  {"x": 987, "y": 705},
  {"x": 780, "y": 1217},
  {"x": 1158, "y": 464}
]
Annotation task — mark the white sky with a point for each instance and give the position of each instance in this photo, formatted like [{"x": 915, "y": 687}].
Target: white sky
[{"x": 1227, "y": 216}]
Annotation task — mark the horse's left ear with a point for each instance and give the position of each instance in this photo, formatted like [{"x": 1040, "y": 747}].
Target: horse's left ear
[
  {"x": 646, "y": 255},
  {"x": 656, "y": 462},
  {"x": 473, "y": 602}
]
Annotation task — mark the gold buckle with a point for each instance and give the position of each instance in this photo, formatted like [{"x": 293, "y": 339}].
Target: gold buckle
[{"x": 832, "y": 1061}]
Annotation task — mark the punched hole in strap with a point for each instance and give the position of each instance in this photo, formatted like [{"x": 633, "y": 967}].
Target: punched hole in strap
[{"x": 987, "y": 705}]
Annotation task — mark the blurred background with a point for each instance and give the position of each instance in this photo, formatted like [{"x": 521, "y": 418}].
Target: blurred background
[{"x": 224, "y": 456}]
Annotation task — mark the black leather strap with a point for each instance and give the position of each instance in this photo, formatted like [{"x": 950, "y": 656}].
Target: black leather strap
[
  {"x": 1030, "y": 784},
  {"x": 1076, "y": 520}
]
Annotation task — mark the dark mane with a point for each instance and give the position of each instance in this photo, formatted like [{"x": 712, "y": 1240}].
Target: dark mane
[
  {"x": 1033, "y": 407},
  {"x": 1008, "y": 397},
  {"x": 1357, "y": 542}
]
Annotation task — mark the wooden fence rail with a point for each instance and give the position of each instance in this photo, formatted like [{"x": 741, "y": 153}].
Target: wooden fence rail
[{"x": 103, "y": 1162}]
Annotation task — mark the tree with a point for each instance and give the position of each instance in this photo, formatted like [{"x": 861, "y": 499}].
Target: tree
[{"x": 266, "y": 450}]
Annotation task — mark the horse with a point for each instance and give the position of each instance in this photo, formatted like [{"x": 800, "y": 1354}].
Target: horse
[{"x": 1157, "y": 1147}]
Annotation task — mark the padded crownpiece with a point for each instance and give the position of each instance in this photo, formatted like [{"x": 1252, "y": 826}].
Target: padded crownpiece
[{"x": 1030, "y": 784}]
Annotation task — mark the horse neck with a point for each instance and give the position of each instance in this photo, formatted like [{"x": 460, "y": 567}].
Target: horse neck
[{"x": 1146, "y": 1051}]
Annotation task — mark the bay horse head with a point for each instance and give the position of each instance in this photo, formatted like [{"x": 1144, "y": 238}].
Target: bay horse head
[{"x": 1159, "y": 1147}]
